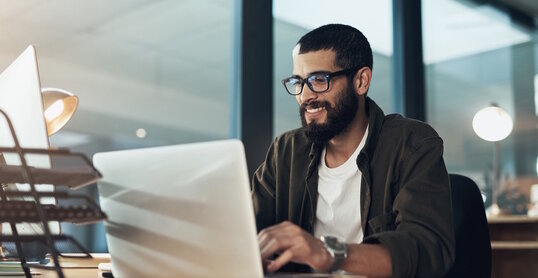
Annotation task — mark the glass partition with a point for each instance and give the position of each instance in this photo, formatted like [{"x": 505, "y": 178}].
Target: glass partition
[{"x": 474, "y": 56}]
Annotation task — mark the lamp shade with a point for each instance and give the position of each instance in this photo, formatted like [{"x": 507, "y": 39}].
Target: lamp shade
[
  {"x": 58, "y": 106},
  {"x": 492, "y": 123}
]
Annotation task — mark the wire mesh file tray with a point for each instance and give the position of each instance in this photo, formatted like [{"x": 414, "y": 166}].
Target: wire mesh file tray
[{"x": 73, "y": 170}]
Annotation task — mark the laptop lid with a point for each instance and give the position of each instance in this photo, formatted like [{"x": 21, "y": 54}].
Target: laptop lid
[
  {"x": 179, "y": 211},
  {"x": 20, "y": 99}
]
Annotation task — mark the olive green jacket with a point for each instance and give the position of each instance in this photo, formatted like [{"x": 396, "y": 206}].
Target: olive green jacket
[{"x": 405, "y": 194}]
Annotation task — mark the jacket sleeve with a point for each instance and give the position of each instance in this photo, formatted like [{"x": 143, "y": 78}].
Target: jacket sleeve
[
  {"x": 264, "y": 192},
  {"x": 422, "y": 245}
]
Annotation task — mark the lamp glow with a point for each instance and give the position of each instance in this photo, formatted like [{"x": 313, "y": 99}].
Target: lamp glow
[
  {"x": 492, "y": 124},
  {"x": 59, "y": 105},
  {"x": 54, "y": 110}
]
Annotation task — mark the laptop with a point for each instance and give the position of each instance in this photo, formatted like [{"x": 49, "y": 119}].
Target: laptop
[
  {"x": 20, "y": 99},
  {"x": 179, "y": 211}
]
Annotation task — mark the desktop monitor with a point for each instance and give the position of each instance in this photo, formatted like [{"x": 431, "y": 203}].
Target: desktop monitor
[{"x": 20, "y": 99}]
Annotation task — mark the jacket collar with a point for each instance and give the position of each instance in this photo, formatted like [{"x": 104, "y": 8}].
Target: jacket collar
[{"x": 375, "y": 121}]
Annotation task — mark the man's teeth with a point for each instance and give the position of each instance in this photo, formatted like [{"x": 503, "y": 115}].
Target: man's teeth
[{"x": 314, "y": 110}]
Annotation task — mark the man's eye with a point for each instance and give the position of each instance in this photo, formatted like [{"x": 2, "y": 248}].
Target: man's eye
[
  {"x": 294, "y": 81},
  {"x": 318, "y": 79}
]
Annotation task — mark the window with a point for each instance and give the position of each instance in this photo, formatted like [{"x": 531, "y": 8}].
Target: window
[{"x": 475, "y": 55}]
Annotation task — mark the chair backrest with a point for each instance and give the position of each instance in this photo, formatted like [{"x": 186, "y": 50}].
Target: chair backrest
[{"x": 473, "y": 246}]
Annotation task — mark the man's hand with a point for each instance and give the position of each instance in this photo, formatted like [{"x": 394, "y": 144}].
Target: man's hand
[{"x": 293, "y": 244}]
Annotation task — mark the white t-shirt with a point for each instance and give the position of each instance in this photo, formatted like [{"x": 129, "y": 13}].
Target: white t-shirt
[{"x": 339, "y": 207}]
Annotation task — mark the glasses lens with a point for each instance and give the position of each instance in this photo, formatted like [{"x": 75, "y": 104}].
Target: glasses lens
[
  {"x": 318, "y": 82},
  {"x": 293, "y": 85}
]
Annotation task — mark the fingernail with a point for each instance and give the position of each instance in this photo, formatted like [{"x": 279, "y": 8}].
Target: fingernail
[{"x": 271, "y": 267}]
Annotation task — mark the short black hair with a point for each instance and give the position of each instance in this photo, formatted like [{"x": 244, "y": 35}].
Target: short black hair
[{"x": 351, "y": 46}]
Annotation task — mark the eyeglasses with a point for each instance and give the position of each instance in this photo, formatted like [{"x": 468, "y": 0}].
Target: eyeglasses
[{"x": 318, "y": 82}]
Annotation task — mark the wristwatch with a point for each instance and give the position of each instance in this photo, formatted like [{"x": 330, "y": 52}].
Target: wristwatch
[{"x": 337, "y": 249}]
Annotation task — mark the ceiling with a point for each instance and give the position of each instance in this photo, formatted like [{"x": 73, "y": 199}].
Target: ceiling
[{"x": 451, "y": 29}]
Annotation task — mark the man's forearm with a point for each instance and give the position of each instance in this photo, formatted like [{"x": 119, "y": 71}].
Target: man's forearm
[{"x": 372, "y": 260}]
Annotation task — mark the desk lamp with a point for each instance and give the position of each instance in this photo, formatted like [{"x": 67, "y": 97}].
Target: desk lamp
[
  {"x": 493, "y": 124},
  {"x": 58, "y": 106}
]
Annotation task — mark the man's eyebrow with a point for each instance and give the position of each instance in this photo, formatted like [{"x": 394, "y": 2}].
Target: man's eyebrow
[
  {"x": 318, "y": 72},
  {"x": 311, "y": 73}
]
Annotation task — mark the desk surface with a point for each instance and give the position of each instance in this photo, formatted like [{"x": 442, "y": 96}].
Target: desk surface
[
  {"x": 72, "y": 272},
  {"x": 76, "y": 267},
  {"x": 501, "y": 219},
  {"x": 87, "y": 268}
]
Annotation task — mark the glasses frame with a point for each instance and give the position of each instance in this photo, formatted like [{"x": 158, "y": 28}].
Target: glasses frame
[{"x": 327, "y": 75}]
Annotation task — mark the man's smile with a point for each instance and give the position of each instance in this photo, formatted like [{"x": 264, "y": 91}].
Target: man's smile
[{"x": 314, "y": 110}]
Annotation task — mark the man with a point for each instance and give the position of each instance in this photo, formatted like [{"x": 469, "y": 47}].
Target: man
[{"x": 352, "y": 190}]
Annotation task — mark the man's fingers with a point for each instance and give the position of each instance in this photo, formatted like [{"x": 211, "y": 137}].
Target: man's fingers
[
  {"x": 263, "y": 240},
  {"x": 268, "y": 249},
  {"x": 279, "y": 238},
  {"x": 283, "y": 259},
  {"x": 265, "y": 263},
  {"x": 283, "y": 226},
  {"x": 274, "y": 244},
  {"x": 278, "y": 231}
]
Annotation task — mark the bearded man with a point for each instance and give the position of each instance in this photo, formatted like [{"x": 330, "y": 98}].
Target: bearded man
[{"x": 353, "y": 190}]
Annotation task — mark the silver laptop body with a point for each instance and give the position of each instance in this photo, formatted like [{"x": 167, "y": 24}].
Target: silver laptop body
[{"x": 179, "y": 211}]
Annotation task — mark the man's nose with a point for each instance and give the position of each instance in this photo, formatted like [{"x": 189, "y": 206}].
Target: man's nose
[{"x": 307, "y": 95}]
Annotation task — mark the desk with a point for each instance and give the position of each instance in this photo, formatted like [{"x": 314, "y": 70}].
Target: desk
[
  {"x": 79, "y": 268},
  {"x": 514, "y": 244},
  {"x": 88, "y": 269},
  {"x": 71, "y": 273}
]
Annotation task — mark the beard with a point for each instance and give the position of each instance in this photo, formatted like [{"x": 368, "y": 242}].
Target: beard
[{"x": 338, "y": 117}]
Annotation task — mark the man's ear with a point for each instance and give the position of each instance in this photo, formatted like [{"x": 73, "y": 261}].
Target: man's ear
[{"x": 361, "y": 81}]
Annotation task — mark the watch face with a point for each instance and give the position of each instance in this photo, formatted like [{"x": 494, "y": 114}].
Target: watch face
[
  {"x": 337, "y": 249},
  {"x": 334, "y": 243},
  {"x": 339, "y": 245},
  {"x": 330, "y": 240}
]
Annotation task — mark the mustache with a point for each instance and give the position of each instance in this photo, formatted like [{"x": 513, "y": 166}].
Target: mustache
[{"x": 315, "y": 104}]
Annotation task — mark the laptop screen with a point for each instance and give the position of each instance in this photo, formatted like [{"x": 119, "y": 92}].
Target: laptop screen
[{"x": 20, "y": 99}]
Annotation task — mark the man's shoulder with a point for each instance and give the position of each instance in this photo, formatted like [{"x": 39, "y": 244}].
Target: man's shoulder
[
  {"x": 296, "y": 135},
  {"x": 396, "y": 125},
  {"x": 295, "y": 138}
]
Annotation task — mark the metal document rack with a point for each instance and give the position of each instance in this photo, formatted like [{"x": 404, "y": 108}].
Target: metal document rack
[{"x": 75, "y": 171}]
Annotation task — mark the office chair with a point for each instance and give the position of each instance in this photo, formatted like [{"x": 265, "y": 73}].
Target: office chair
[{"x": 473, "y": 247}]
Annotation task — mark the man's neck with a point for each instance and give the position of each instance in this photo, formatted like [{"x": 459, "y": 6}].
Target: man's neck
[{"x": 342, "y": 146}]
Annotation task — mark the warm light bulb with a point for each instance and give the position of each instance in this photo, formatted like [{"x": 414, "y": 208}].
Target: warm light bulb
[
  {"x": 492, "y": 124},
  {"x": 54, "y": 110}
]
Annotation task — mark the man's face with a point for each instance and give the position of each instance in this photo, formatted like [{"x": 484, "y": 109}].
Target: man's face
[{"x": 324, "y": 115}]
